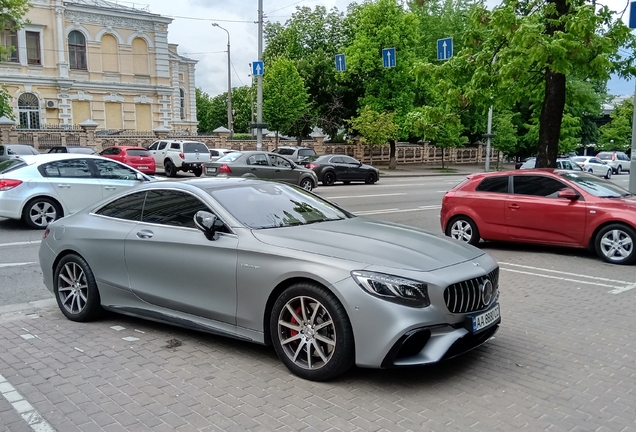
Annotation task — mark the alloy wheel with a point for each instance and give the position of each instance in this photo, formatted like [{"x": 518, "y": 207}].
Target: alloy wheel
[
  {"x": 461, "y": 230},
  {"x": 307, "y": 333},
  {"x": 42, "y": 213},
  {"x": 72, "y": 288},
  {"x": 616, "y": 245},
  {"x": 307, "y": 184}
]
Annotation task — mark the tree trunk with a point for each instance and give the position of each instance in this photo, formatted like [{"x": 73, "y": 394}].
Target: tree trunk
[
  {"x": 553, "y": 101},
  {"x": 392, "y": 159}
]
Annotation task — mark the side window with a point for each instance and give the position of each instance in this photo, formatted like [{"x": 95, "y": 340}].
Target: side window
[
  {"x": 1, "y": 150},
  {"x": 114, "y": 171},
  {"x": 214, "y": 153},
  {"x": 349, "y": 160},
  {"x": 128, "y": 207},
  {"x": 153, "y": 146},
  {"x": 306, "y": 152},
  {"x": 257, "y": 159},
  {"x": 497, "y": 184},
  {"x": 69, "y": 168},
  {"x": 175, "y": 146},
  {"x": 162, "y": 145},
  {"x": 336, "y": 159},
  {"x": 567, "y": 165},
  {"x": 279, "y": 161},
  {"x": 537, "y": 186},
  {"x": 172, "y": 208}
]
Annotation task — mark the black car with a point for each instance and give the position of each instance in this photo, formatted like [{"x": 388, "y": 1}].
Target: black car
[{"x": 332, "y": 168}]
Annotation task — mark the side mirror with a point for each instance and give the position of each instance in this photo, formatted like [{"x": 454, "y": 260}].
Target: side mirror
[
  {"x": 140, "y": 177},
  {"x": 568, "y": 193},
  {"x": 208, "y": 223}
]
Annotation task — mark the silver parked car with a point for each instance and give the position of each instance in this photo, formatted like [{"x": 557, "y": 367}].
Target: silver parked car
[
  {"x": 16, "y": 151},
  {"x": 275, "y": 264},
  {"x": 42, "y": 188},
  {"x": 262, "y": 165}
]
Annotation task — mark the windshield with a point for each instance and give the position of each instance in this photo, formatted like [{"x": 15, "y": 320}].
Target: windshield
[
  {"x": 230, "y": 157},
  {"x": 273, "y": 205},
  {"x": 596, "y": 186},
  {"x": 11, "y": 165}
]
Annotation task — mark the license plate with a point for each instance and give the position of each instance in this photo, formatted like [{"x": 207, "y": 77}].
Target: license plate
[
  {"x": 211, "y": 170},
  {"x": 486, "y": 319},
  {"x": 142, "y": 167}
]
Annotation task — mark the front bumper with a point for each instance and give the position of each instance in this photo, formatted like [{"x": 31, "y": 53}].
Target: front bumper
[{"x": 11, "y": 205}]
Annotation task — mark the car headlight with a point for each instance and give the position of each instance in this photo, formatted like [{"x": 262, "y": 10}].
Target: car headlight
[{"x": 393, "y": 288}]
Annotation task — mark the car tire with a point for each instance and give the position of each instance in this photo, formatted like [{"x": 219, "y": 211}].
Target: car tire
[
  {"x": 329, "y": 178},
  {"x": 197, "y": 172},
  {"x": 307, "y": 184},
  {"x": 464, "y": 229},
  {"x": 316, "y": 354},
  {"x": 39, "y": 212},
  {"x": 608, "y": 174},
  {"x": 170, "y": 169},
  {"x": 591, "y": 171},
  {"x": 619, "y": 170},
  {"x": 616, "y": 244},
  {"x": 371, "y": 178},
  {"x": 75, "y": 289}
]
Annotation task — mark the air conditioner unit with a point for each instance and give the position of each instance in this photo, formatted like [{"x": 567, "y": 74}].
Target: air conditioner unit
[{"x": 51, "y": 104}]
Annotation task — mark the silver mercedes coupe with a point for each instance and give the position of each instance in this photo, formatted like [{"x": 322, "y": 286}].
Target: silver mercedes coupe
[{"x": 274, "y": 264}]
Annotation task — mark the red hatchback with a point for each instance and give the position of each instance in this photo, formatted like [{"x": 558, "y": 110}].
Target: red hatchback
[
  {"x": 546, "y": 206},
  {"x": 136, "y": 157}
]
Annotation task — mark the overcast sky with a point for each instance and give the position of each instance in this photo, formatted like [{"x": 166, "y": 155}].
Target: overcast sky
[{"x": 199, "y": 40}]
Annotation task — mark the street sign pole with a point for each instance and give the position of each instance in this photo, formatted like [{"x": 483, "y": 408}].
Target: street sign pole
[
  {"x": 488, "y": 137},
  {"x": 259, "y": 80}
]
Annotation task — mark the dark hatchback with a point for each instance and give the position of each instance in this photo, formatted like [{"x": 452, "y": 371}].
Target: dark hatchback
[{"x": 333, "y": 168}]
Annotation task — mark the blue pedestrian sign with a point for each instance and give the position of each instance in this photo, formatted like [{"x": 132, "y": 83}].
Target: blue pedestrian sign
[
  {"x": 341, "y": 63},
  {"x": 444, "y": 48},
  {"x": 632, "y": 17},
  {"x": 258, "y": 67},
  {"x": 388, "y": 57}
]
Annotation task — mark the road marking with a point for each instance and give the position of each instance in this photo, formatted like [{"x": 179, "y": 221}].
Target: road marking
[
  {"x": 16, "y": 264},
  {"x": 366, "y": 196},
  {"x": 394, "y": 210},
  {"x": 20, "y": 243},
  {"x": 619, "y": 286},
  {"x": 24, "y": 408}
]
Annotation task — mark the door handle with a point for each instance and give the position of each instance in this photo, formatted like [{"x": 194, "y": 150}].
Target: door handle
[
  {"x": 513, "y": 206},
  {"x": 145, "y": 234},
  {"x": 110, "y": 187},
  {"x": 253, "y": 169},
  {"x": 64, "y": 186},
  {"x": 278, "y": 170}
]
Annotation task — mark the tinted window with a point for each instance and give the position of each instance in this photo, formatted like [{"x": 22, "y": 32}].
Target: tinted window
[
  {"x": 193, "y": 147},
  {"x": 153, "y": 146},
  {"x": 494, "y": 184},
  {"x": 214, "y": 152},
  {"x": 175, "y": 146},
  {"x": 284, "y": 151},
  {"x": 278, "y": 206},
  {"x": 128, "y": 207},
  {"x": 71, "y": 168},
  {"x": 537, "y": 186},
  {"x": 349, "y": 160},
  {"x": 162, "y": 145},
  {"x": 114, "y": 171},
  {"x": 306, "y": 152},
  {"x": 136, "y": 152},
  {"x": 172, "y": 208},
  {"x": 1, "y": 150},
  {"x": 336, "y": 159}
]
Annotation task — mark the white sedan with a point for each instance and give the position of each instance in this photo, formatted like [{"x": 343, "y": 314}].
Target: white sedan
[
  {"x": 42, "y": 188},
  {"x": 594, "y": 165}
]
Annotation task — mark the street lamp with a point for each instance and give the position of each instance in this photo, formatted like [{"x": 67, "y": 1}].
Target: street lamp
[{"x": 230, "y": 122}]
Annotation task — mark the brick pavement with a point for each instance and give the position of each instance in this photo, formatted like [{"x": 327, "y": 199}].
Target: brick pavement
[{"x": 562, "y": 361}]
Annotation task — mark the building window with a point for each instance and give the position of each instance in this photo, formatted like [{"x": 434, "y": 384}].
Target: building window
[
  {"x": 9, "y": 41},
  {"x": 33, "y": 48},
  {"x": 77, "y": 50},
  {"x": 29, "y": 111},
  {"x": 182, "y": 103}
]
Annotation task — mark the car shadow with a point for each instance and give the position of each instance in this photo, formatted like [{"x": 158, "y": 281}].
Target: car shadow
[{"x": 534, "y": 248}]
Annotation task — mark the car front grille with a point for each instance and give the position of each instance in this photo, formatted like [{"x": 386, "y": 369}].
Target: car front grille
[{"x": 466, "y": 296}]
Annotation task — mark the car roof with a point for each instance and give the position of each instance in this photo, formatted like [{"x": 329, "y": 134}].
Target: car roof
[
  {"x": 295, "y": 147},
  {"x": 49, "y": 157},
  {"x": 126, "y": 147}
]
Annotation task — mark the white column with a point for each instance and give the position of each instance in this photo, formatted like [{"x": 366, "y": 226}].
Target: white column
[{"x": 61, "y": 56}]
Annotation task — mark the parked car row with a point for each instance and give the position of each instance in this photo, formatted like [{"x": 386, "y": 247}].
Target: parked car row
[{"x": 616, "y": 162}]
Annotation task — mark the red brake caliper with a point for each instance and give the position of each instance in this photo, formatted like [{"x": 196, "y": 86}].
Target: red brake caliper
[{"x": 293, "y": 321}]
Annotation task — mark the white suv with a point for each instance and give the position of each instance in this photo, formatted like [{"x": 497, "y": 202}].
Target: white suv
[
  {"x": 180, "y": 155},
  {"x": 618, "y": 160}
]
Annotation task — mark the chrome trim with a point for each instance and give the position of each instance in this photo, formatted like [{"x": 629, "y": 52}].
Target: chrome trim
[{"x": 470, "y": 295}]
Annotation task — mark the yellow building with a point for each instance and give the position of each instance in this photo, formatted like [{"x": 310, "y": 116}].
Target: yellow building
[{"x": 94, "y": 59}]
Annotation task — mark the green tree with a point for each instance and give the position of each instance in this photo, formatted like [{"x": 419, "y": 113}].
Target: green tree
[
  {"x": 505, "y": 130},
  {"x": 534, "y": 50},
  {"x": 375, "y": 128},
  {"x": 617, "y": 134},
  {"x": 285, "y": 98},
  {"x": 377, "y": 25}
]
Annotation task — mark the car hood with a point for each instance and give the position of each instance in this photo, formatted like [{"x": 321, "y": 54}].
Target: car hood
[{"x": 372, "y": 242}]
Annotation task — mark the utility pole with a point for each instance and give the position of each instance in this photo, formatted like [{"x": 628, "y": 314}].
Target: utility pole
[
  {"x": 230, "y": 119},
  {"x": 489, "y": 135},
  {"x": 259, "y": 81}
]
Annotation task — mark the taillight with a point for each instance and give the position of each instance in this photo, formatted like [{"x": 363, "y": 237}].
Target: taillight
[
  {"x": 311, "y": 166},
  {"x": 181, "y": 155},
  {"x": 46, "y": 233},
  {"x": 224, "y": 169},
  {"x": 6, "y": 184},
  {"x": 613, "y": 156}
]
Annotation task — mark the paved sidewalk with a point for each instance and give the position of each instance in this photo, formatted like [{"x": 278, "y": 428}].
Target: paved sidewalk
[{"x": 422, "y": 170}]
